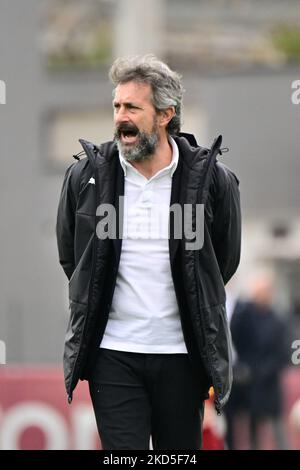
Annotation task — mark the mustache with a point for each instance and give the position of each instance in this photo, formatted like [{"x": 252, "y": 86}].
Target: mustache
[{"x": 126, "y": 127}]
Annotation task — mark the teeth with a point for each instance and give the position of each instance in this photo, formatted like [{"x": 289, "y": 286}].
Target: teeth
[{"x": 129, "y": 138}]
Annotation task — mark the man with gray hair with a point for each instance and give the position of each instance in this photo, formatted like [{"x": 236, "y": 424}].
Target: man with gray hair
[{"x": 148, "y": 326}]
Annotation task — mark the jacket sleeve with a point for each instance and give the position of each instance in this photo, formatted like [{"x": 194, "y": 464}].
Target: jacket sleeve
[
  {"x": 65, "y": 223},
  {"x": 226, "y": 226}
]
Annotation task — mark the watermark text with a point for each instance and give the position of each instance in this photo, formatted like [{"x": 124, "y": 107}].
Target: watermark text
[
  {"x": 295, "y": 96},
  {"x": 296, "y": 354},
  {"x": 152, "y": 221}
]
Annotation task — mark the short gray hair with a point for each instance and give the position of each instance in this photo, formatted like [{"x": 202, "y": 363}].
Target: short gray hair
[{"x": 167, "y": 89}]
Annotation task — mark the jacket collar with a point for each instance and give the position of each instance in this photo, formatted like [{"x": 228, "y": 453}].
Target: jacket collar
[{"x": 189, "y": 150}]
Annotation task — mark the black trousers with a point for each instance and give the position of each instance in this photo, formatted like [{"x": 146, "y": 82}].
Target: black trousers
[{"x": 136, "y": 395}]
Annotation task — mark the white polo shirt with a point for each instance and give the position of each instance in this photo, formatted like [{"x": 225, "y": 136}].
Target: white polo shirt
[{"x": 144, "y": 315}]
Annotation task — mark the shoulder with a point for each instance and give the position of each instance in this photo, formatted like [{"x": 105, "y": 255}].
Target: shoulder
[
  {"x": 223, "y": 180},
  {"x": 76, "y": 174},
  {"x": 77, "y": 167},
  {"x": 224, "y": 175}
]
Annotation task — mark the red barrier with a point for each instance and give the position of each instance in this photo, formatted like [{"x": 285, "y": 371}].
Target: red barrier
[{"x": 34, "y": 413}]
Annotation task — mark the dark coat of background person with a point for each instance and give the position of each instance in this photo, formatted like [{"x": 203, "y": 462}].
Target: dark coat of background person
[
  {"x": 260, "y": 339},
  {"x": 91, "y": 263}
]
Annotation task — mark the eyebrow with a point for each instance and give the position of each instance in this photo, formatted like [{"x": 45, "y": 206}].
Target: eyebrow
[{"x": 128, "y": 104}]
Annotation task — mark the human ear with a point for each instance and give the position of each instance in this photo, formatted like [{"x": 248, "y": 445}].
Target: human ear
[{"x": 166, "y": 115}]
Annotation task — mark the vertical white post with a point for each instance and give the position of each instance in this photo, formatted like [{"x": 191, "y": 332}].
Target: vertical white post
[
  {"x": 138, "y": 27},
  {"x": 2, "y": 92},
  {"x": 2, "y": 353}
]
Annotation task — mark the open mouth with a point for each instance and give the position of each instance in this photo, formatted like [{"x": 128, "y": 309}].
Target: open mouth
[{"x": 128, "y": 135}]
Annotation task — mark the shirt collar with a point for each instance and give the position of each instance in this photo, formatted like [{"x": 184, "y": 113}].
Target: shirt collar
[{"x": 170, "y": 168}]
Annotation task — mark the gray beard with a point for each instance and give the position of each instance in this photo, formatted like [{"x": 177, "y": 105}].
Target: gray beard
[{"x": 144, "y": 149}]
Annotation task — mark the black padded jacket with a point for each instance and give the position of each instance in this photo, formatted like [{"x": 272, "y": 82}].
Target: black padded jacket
[{"x": 199, "y": 276}]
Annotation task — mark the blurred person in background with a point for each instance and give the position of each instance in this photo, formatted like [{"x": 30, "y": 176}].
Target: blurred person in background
[
  {"x": 148, "y": 326},
  {"x": 260, "y": 338},
  {"x": 241, "y": 374}
]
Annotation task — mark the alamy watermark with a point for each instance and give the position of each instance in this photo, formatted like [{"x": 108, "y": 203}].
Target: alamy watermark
[
  {"x": 295, "y": 97},
  {"x": 2, "y": 92},
  {"x": 296, "y": 354},
  {"x": 2, "y": 352},
  {"x": 144, "y": 220}
]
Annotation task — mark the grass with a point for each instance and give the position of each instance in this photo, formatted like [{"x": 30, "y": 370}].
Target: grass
[{"x": 286, "y": 39}]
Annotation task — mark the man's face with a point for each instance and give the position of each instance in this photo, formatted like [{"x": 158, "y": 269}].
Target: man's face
[{"x": 135, "y": 118}]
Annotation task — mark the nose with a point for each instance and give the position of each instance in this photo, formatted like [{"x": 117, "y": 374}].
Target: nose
[{"x": 121, "y": 115}]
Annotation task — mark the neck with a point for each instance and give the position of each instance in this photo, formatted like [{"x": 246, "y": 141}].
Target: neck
[{"x": 161, "y": 158}]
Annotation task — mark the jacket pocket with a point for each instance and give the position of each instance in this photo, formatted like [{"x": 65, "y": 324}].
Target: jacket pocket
[
  {"x": 80, "y": 280},
  {"x": 86, "y": 199}
]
